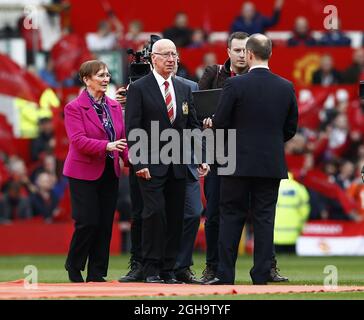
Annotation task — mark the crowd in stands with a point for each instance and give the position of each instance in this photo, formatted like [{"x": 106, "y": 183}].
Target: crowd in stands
[
  {"x": 112, "y": 35},
  {"x": 334, "y": 153},
  {"x": 335, "y": 148},
  {"x": 35, "y": 189}
]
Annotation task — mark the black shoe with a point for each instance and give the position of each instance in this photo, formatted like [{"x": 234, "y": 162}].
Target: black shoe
[
  {"x": 95, "y": 279},
  {"x": 153, "y": 279},
  {"x": 135, "y": 274},
  {"x": 275, "y": 276},
  {"x": 208, "y": 274},
  {"x": 187, "y": 276},
  {"x": 215, "y": 281},
  {"x": 74, "y": 275},
  {"x": 173, "y": 281},
  {"x": 169, "y": 278}
]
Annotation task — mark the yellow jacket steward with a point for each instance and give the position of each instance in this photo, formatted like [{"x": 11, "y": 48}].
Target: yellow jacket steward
[{"x": 292, "y": 211}]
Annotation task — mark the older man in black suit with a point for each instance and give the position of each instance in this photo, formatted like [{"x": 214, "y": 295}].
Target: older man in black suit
[
  {"x": 192, "y": 215},
  {"x": 159, "y": 100},
  {"x": 262, "y": 108}
]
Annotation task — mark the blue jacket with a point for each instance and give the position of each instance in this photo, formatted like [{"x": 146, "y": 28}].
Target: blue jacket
[{"x": 258, "y": 25}]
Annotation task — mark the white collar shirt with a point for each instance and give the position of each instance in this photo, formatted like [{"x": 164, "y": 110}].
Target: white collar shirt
[{"x": 162, "y": 88}]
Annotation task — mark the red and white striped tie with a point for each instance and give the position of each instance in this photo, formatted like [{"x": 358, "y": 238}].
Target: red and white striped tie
[{"x": 169, "y": 102}]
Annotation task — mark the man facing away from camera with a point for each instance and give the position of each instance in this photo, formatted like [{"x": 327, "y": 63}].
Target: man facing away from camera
[
  {"x": 262, "y": 108},
  {"x": 215, "y": 77}
]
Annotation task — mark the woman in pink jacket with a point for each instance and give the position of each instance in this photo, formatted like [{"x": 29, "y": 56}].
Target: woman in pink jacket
[{"x": 96, "y": 133}]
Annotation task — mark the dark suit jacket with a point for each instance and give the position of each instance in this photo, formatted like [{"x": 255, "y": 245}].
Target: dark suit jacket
[
  {"x": 262, "y": 107},
  {"x": 317, "y": 77},
  {"x": 192, "y": 168},
  {"x": 145, "y": 104}
]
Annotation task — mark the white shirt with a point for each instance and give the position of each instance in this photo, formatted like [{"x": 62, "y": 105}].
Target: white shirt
[
  {"x": 259, "y": 66},
  {"x": 162, "y": 87}
]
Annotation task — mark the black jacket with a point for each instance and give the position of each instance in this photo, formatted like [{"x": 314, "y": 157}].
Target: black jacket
[
  {"x": 215, "y": 76},
  {"x": 352, "y": 74},
  {"x": 262, "y": 107},
  {"x": 317, "y": 77},
  {"x": 146, "y": 104}
]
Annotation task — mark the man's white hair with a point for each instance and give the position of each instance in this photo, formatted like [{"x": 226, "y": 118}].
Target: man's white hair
[{"x": 161, "y": 44}]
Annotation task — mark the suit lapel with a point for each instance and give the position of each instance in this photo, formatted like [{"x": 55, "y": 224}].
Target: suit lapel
[
  {"x": 157, "y": 96},
  {"x": 85, "y": 103},
  {"x": 92, "y": 116},
  {"x": 179, "y": 94}
]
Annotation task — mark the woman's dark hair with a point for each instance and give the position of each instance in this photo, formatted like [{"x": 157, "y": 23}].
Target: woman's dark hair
[{"x": 90, "y": 68}]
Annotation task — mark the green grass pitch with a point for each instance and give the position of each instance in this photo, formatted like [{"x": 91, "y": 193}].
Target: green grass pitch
[{"x": 300, "y": 270}]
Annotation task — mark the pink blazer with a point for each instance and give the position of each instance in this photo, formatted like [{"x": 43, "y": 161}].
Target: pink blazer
[{"x": 88, "y": 139}]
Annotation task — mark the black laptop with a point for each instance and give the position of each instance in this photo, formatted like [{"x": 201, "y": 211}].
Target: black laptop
[{"x": 206, "y": 102}]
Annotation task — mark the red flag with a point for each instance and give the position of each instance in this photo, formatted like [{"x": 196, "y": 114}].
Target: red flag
[
  {"x": 19, "y": 82},
  {"x": 68, "y": 54},
  {"x": 319, "y": 182}
]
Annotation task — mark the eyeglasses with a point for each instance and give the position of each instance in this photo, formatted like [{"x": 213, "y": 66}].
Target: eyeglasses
[
  {"x": 166, "y": 55},
  {"x": 103, "y": 75}
]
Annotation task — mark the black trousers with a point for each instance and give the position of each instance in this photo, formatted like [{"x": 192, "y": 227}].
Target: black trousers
[
  {"x": 93, "y": 208},
  {"x": 162, "y": 222},
  {"x": 136, "y": 217},
  {"x": 212, "y": 213},
  {"x": 191, "y": 222},
  {"x": 238, "y": 194}
]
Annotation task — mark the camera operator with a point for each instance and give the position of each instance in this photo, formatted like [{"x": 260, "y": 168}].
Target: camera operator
[
  {"x": 121, "y": 95},
  {"x": 138, "y": 68},
  {"x": 135, "y": 264}
]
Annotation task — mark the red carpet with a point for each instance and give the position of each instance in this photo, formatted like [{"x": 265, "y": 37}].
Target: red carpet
[{"x": 16, "y": 290}]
